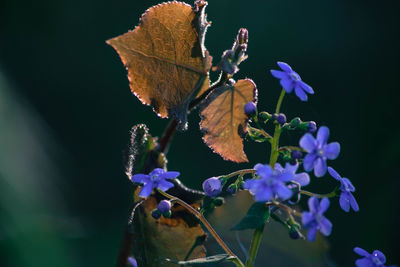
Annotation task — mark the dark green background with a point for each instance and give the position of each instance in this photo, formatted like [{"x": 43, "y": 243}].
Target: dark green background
[{"x": 69, "y": 103}]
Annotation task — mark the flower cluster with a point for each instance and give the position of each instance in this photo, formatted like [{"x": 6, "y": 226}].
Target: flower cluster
[{"x": 155, "y": 179}]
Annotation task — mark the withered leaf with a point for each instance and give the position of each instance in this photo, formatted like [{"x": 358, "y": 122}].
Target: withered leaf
[
  {"x": 166, "y": 59},
  {"x": 224, "y": 121}
]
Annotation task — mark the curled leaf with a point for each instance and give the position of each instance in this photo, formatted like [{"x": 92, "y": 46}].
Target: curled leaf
[
  {"x": 166, "y": 59},
  {"x": 224, "y": 121}
]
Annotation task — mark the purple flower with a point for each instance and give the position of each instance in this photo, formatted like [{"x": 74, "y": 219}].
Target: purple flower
[
  {"x": 376, "y": 259},
  {"x": 290, "y": 79},
  {"x": 164, "y": 206},
  {"x": 318, "y": 151},
  {"x": 212, "y": 187},
  {"x": 315, "y": 219},
  {"x": 132, "y": 262},
  {"x": 346, "y": 197},
  {"x": 156, "y": 179},
  {"x": 250, "y": 108},
  {"x": 271, "y": 183},
  {"x": 302, "y": 178}
]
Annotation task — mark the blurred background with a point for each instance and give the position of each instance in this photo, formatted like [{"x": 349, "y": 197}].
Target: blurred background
[{"x": 66, "y": 111}]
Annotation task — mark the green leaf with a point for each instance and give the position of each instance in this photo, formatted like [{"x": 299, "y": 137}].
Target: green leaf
[
  {"x": 255, "y": 217},
  {"x": 212, "y": 259},
  {"x": 258, "y": 135}
]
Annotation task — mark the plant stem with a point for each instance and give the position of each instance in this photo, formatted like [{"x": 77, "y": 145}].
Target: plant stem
[
  {"x": 328, "y": 195},
  {"x": 206, "y": 224},
  {"x": 258, "y": 232},
  {"x": 240, "y": 172}
]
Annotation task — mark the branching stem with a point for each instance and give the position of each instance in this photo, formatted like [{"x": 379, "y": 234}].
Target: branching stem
[{"x": 206, "y": 224}]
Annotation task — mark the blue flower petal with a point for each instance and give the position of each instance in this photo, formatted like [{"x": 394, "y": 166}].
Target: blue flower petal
[
  {"x": 306, "y": 87},
  {"x": 140, "y": 178},
  {"x": 300, "y": 93},
  {"x": 308, "y": 143},
  {"x": 323, "y": 135},
  {"x": 313, "y": 204},
  {"x": 379, "y": 255},
  {"x": 348, "y": 185},
  {"x": 302, "y": 178},
  {"x": 334, "y": 173},
  {"x": 320, "y": 167},
  {"x": 312, "y": 233},
  {"x": 287, "y": 84},
  {"x": 353, "y": 203},
  {"x": 284, "y": 66},
  {"x": 279, "y": 74},
  {"x": 307, "y": 219},
  {"x": 169, "y": 175},
  {"x": 283, "y": 192},
  {"x": 361, "y": 252},
  {"x": 264, "y": 194},
  {"x": 146, "y": 189},
  {"x": 344, "y": 201},
  {"x": 325, "y": 226},
  {"x": 156, "y": 171},
  {"x": 263, "y": 170},
  {"x": 164, "y": 185},
  {"x": 365, "y": 262},
  {"x": 324, "y": 205},
  {"x": 331, "y": 150},
  {"x": 308, "y": 162}
]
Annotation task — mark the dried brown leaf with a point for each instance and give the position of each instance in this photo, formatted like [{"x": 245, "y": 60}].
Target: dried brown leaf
[
  {"x": 224, "y": 120},
  {"x": 165, "y": 57}
]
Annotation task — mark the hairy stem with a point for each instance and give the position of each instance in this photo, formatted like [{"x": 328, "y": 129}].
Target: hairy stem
[
  {"x": 206, "y": 225},
  {"x": 257, "y": 236}
]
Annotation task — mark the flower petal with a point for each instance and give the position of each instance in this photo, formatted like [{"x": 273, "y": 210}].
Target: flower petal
[
  {"x": 312, "y": 233},
  {"x": 320, "y": 167},
  {"x": 291, "y": 168},
  {"x": 307, "y": 219},
  {"x": 284, "y": 66},
  {"x": 263, "y": 170},
  {"x": 379, "y": 255},
  {"x": 353, "y": 203},
  {"x": 287, "y": 84},
  {"x": 156, "y": 171},
  {"x": 313, "y": 204},
  {"x": 361, "y": 252},
  {"x": 365, "y": 262},
  {"x": 146, "y": 190},
  {"x": 283, "y": 192},
  {"x": 308, "y": 142},
  {"x": 324, "y": 205},
  {"x": 306, "y": 87},
  {"x": 344, "y": 201},
  {"x": 264, "y": 194},
  {"x": 164, "y": 185},
  {"x": 279, "y": 74},
  {"x": 169, "y": 175},
  {"x": 350, "y": 187},
  {"x": 334, "y": 173},
  {"x": 300, "y": 93},
  {"x": 323, "y": 135},
  {"x": 325, "y": 226},
  {"x": 140, "y": 178},
  {"x": 302, "y": 178},
  {"x": 308, "y": 162},
  {"x": 331, "y": 150}
]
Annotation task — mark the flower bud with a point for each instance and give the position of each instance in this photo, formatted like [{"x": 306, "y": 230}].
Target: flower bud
[
  {"x": 311, "y": 127},
  {"x": 218, "y": 201},
  {"x": 212, "y": 187},
  {"x": 250, "y": 108},
  {"x": 296, "y": 154},
  {"x": 232, "y": 189},
  {"x": 164, "y": 206},
  {"x": 281, "y": 118},
  {"x": 156, "y": 214},
  {"x": 243, "y": 36},
  {"x": 264, "y": 116},
  {"x": 167, "y": 214},
  {"x": 295, "y": 122}
]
